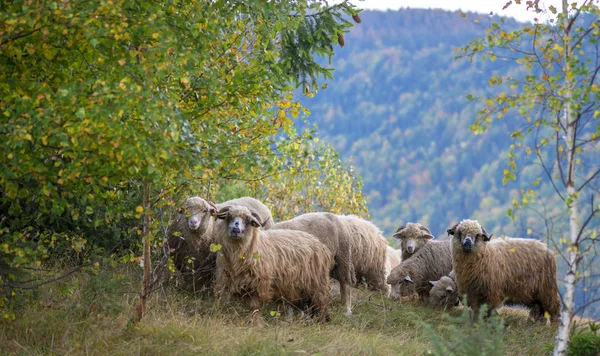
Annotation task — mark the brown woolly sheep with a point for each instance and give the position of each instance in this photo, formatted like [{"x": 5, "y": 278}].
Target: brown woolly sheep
[
  {"x": 520, "y": 271},
  {"x": 368, "y": 248},
  {"x": 267, "y": 265},
  {"x": 431, "y": 262},
  {"x": 444, "y": 292},
  {"x": 413, "y": 236},
  {"x": 328, "y": 228},
  {"x": 189, "y": 239},
  {"x": 191, "y": 234}
]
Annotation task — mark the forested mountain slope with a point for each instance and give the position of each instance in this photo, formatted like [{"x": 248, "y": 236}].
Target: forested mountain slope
[{"x": 397, "y": 110}]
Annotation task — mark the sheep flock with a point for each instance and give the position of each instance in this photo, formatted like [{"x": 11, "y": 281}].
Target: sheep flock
[{"x": 237, "y": 249}]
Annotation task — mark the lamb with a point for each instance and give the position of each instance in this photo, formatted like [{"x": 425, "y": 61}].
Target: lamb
[
  {"x": 520, "y": 271},
  {"x": 431, "y": 262},
  {"x": 272, "y": 264},
  {"x": 368, "y": 248},
  {"x": 191, "y": 234},
  {"x": 329, "y": 229},
  {"x": 413, "y": 236},
  {"x": 444, "y": 292}
]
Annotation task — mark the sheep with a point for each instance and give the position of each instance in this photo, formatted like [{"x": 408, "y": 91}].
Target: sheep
[
  {"x": 413, "y": 236},
  {"x": 368, "y": 248},
  {"x": 520, "y": 271},
  {"x": 189, "y": 239},
  {"x": 272, "y": 264},
  {"x": 444, "y": 292},
  {"x": 191, "y": 234},
  {"x": 329, "y": 229},
  {"x": 431, "y": 262}
]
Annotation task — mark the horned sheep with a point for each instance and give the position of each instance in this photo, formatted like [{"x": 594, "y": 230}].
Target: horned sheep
[
  {"x": 191, "y": 233},
  {"x": 515, "y": 270},
  {"x": 368, "y": 248},
  {"x": 272, "y": 264},
  {"x": 431, "y": 262},
  {"x": 412, "y": 237},
  {"x": 329, "y": 229}
]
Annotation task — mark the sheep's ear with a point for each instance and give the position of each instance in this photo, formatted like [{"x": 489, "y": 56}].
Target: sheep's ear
[
  {"x": 433, "y": 283},
  {"x": 408, "y": 279},
  {"x": 399, "y": 231},
  {"x": 486, "y": 236},
  {"x": 427, "y": 236},
  {"x": 213, "y": 208},
  {"x": 452, "y": 230}
]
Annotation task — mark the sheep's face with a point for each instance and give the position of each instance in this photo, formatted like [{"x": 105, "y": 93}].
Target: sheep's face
[
  {"x": 197, "y": 211},
  {"x": 412, "y": 237},
  {"x": 443, "y": 293},
  {"x": 468, "y": 236},
  {"x": 239, "y": 220},
  {"x": 402, "y": 284}
]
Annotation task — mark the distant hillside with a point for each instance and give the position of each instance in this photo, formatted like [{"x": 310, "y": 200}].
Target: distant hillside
[{"x": 397, "y": 109}]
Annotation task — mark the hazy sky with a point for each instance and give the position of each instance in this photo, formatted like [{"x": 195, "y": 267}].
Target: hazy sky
[{"x": 481, "y": 6}]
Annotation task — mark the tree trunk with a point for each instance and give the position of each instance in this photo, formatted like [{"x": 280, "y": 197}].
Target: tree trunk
[
  {"x": 569, "y": 121},
  {"x": 141, "y": 304}
]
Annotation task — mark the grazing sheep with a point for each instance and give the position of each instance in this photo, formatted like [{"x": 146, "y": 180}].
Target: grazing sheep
[
  {"x": 191, "y": 234},
  {"x": 413, "y": 236},
  {"x": 392, "y": 259},
  {"x": 272, "y": 264},
  {"x": 368, "y": 248},
  {"x": 444, "y": 292},
  {"x": 520, "y": 271},
  {"x": 431, "y": 262},
  {"x": 329, "y": 229}
]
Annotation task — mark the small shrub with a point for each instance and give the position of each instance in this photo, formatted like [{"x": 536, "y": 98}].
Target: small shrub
[{"x": 585, "y": 342}]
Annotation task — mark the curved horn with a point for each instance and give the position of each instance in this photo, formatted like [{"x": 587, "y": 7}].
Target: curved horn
[
  {"x": 422, "y": 227},
  {"x": 486, "y": 236},
  {"x": 212, "y": 205},
  {"x": 452, "y": 230},
  {"x": 222, "y": 213},
  {"x": 399, "y": 232},
  {"x": 255, "y": 221}
]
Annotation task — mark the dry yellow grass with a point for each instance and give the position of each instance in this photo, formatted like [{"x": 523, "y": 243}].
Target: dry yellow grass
[{"x": 94, "y": 320}]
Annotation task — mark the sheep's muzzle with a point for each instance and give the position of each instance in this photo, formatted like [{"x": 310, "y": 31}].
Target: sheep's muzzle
[{"x": 467, "y": 244}]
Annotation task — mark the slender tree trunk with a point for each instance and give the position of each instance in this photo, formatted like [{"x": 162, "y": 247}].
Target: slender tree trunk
[
  {"x": 569, "y": 122},
  {"x": 141, "y": 304}
]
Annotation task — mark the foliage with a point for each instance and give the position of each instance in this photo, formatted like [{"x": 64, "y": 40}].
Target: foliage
[
  {"x": 101, "y": 98},
  {"x": 585, "y": 341},
  {"x": 484, "y": 337},
  {"x": 556, "y": 102}
]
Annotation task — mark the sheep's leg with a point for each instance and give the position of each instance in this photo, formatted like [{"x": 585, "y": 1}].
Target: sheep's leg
[
  {"x": 221, "y": 292},
  {"x": 346, "y": 298}
]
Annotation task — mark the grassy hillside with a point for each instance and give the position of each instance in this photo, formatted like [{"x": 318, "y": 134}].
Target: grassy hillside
[{"x": 89, "y": 313}]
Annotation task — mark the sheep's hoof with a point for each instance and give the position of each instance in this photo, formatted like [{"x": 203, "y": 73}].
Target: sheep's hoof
[{"x": 348, "y": 312}]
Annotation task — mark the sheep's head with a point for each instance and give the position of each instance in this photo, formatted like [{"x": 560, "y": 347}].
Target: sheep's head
[
  {"x": 413, "y": 236},
  {"x": 197, "y": 211},
  {"x": 240, "y": 221},
  {"x": 469, "y": 235},
  {"x": 444, "y": 293},
  {"x": 401, "y": 282}
]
